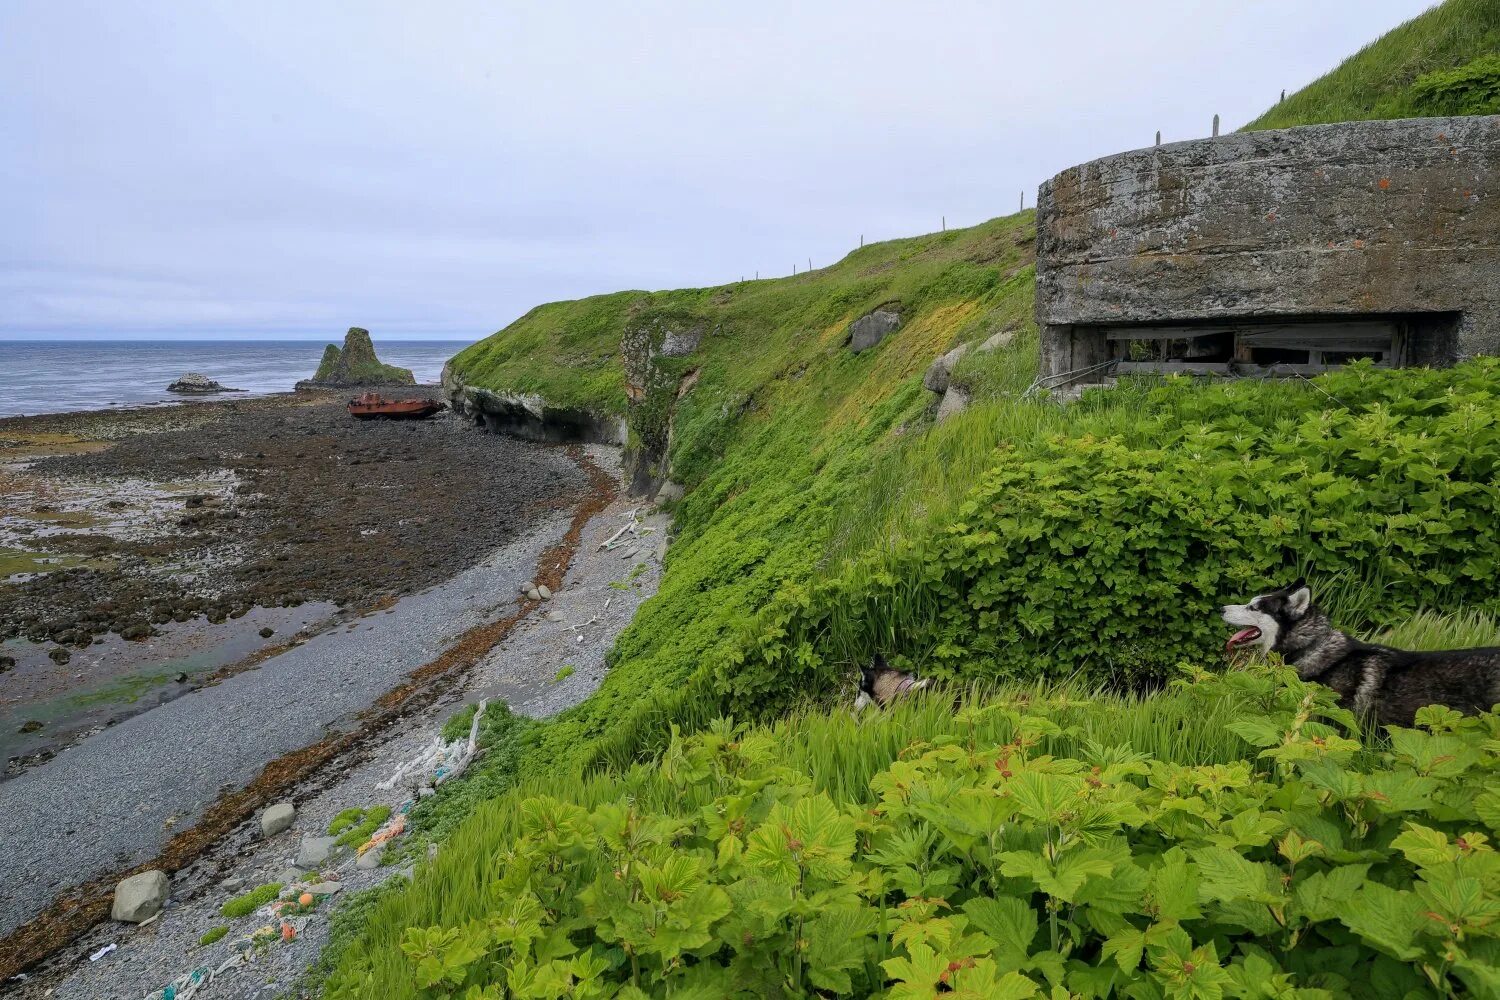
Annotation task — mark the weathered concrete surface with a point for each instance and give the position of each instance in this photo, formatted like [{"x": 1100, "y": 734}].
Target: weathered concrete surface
[{"x": 1366, "y": 218}]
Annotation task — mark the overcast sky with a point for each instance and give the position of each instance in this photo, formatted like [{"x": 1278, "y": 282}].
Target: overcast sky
[{"x": 277, "y": 168}]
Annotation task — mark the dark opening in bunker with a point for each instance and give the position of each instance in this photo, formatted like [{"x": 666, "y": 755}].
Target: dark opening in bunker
[{"x": 1273, "y": 346}]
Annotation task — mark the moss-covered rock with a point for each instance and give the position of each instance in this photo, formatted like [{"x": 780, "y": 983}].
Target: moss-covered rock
[{"x": 357, "y": 364}]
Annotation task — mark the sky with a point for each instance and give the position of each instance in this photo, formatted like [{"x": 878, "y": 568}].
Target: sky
[{"x": 285, "y": 169}]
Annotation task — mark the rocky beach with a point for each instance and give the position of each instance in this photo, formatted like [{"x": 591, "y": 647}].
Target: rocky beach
[{"x": 145, "y": 551}]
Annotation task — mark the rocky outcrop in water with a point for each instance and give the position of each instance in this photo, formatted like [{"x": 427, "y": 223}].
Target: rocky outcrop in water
[
  {"x": 355, "y": 364},
  {"x": 195, "y": 382}
]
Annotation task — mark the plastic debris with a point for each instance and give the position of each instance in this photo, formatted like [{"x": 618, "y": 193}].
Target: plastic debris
[
  {"x": 103, "y": 951},
  {"x": 187, "y": 985},
  {"x": 438, "y": 763}
]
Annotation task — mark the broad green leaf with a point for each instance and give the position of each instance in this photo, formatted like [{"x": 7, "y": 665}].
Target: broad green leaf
[
  {"x": 1226, "y": 876},
  {"x": 1387, "y": 918},
  {"x": 1011, "y": 923}
]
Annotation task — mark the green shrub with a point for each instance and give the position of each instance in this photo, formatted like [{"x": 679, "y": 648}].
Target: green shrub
[
  {"x": 355, "y": 826},
  {"x": 251, "y": 901},
  {"x": 980, "y": 867},
  {"x": 1471, "y": 89},
  {"x": 1108, "y": 557},
  {"x": 344, "y": 820}
]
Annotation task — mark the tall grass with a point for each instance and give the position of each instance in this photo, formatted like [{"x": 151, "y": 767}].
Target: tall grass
[
  {"x": 1429, "y": 630},
  {"x": 1375, "y": 82}
]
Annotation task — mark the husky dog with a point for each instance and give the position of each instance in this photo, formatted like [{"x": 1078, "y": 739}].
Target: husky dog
[
  {"x": 1385, "y": 684},
  {"x": 880, "y": 684}
]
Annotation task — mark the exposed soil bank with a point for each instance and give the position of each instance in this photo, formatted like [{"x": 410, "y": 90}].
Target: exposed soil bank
[{"x": 192, "y": 530}]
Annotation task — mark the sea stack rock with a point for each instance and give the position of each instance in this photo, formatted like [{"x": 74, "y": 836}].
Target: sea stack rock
[
  {"x": 356, "y": 364},
  {"x": 196, "y": 382}
]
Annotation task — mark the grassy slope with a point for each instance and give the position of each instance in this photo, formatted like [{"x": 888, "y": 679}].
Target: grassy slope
[
  {"x": 1376, "y": 81},
  {"x": 774, "y": 440}
]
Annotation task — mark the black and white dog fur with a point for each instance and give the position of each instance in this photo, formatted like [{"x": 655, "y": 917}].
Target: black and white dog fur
[
  {"x": 880, "y": 684},
  {"x": 1384, "y": 684}
]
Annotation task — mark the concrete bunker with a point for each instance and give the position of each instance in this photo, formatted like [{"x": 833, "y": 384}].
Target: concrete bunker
[{"x": 1275, "y": 253}]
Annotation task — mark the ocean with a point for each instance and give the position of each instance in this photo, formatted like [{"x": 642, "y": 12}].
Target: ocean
[{"x": 61, "y": 376}]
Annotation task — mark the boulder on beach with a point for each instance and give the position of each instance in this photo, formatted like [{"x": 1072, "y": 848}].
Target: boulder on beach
[
  {"x": 140, "y": 897},
  {"x": 276, "y": 818},
  {"x": 356, "y": 364},
  {"x": 198, "y": 382}
]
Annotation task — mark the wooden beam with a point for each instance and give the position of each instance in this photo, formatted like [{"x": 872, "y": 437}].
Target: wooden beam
[{"x": 1219, "y": 368}]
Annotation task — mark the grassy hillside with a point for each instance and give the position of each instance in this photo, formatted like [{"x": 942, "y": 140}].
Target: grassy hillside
[
  {"x": 774, "y": 441},
  {"x": 1445, "y": 61}
]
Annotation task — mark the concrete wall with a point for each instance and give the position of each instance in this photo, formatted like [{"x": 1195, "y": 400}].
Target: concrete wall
[{"x": 1325, "y": 221}]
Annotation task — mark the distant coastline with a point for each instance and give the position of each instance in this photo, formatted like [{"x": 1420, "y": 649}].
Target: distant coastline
[{"x": 63, "y": 376}]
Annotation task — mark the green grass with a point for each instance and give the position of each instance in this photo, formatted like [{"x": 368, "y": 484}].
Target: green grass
[
  {"x": 251, "y": 901},
  {"x": 1377, "y": 81},
  {"x": 775, "y": 439},
  {"x": 212, "y": 935},
  {"x": 1430, "y": 630},
  {"x": 344, "y": 820}
]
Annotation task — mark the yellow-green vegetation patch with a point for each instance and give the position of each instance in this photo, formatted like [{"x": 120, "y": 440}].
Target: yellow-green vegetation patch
[
  {"x": 563, "y": 674},
  {"x": 19, "y": 445},
  {"x": 212, "y": 935},
  {"x": 355, "y": 826},
  {"x": 251, "y": 901}
]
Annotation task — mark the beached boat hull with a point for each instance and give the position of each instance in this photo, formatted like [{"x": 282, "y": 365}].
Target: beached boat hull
[{"x": 372, "y": 407}]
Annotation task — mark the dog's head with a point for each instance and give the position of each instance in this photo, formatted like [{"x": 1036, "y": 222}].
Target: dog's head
[
  {"x": 880, "y": 684},
  {"x": 1267, "y": 619}
]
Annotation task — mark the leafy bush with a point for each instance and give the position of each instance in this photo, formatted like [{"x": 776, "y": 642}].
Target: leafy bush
[
  {"x": 1471, "y": 89},
  {"x": 1108, "y": 557},
  {"x": 977, "y": 868}
]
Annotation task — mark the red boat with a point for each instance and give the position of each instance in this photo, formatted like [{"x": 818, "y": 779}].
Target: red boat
[{"x": 373, "y": 406}]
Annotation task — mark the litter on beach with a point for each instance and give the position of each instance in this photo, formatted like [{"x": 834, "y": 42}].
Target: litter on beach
[
  {"x": 438, "y": 763},
  {"x": 187, "y": 985}
]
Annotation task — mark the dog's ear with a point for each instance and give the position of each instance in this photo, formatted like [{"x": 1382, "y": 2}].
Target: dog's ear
[
  {"x": 878, "y": 663},
  {"x": 1299, "y": 599}
]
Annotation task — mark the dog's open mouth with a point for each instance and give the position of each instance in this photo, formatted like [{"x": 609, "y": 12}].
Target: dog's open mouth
[{"x": 1243, "y": 637}]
